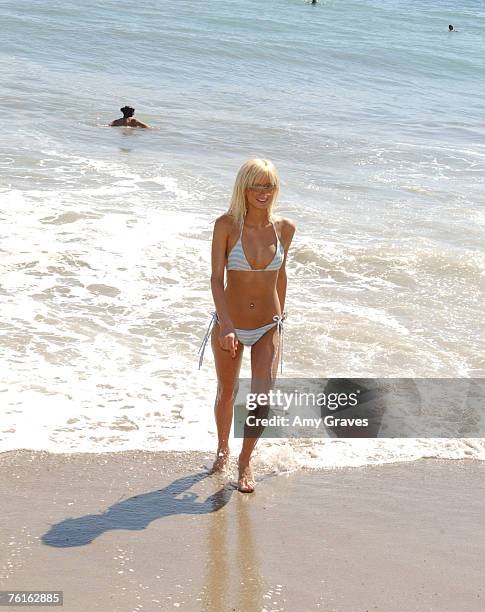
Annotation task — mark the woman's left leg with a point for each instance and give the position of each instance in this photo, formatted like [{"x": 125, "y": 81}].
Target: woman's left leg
[{"x": 264, "y": 366}]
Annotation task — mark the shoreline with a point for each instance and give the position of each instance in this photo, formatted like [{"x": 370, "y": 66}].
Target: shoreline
[
  {"x": 203, "y": 457},
  {"x": 151, "y": 531}
]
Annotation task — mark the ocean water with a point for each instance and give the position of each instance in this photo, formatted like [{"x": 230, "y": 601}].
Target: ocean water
[{"x": 373, "y": 114}]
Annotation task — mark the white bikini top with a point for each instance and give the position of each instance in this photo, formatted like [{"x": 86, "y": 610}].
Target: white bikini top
[{"x": 236, "y": 260}]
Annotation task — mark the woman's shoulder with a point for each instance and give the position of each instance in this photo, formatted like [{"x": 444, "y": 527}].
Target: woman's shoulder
[
  {"x": 286, "y": 226},
  {"x": 225, "y": 222}
]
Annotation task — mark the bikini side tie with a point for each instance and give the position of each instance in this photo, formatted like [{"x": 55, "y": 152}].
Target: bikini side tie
[
  {"x": 206, "y": 338},
  {"x": 279, "y": 324}
]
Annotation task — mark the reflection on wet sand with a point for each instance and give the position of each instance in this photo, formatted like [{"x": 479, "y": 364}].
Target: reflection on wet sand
[
  {"x": 232, "y": 587},
  {"x": 215, "y": 593},
  {"x": 250, "y": 577}
]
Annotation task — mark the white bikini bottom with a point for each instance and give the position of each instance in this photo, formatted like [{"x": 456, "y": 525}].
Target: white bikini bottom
[{"x": 248, "y": 337}]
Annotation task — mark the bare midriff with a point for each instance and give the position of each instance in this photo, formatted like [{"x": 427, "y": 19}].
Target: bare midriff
[{"x": 251, "y": 298}]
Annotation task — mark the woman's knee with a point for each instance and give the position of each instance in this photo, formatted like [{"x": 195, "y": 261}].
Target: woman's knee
[{"x": 226, "y": 393}]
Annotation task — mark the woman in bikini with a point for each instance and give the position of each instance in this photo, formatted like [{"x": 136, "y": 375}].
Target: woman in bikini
[{"x": 252, "y": 246}]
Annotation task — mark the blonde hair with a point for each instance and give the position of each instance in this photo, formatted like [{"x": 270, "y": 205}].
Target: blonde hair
[{"x": 250, "y": 172}]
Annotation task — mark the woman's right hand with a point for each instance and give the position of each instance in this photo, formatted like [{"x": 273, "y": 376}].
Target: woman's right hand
[{"x": 228, "y": 341}]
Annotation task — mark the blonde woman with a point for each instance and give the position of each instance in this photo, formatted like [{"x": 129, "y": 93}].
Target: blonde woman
[{"x": 252, "y": 246}]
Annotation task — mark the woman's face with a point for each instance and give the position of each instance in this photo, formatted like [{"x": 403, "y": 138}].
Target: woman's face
[{"x": 260, "y": 194}]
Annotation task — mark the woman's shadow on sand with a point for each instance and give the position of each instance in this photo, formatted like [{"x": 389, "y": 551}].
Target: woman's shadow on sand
[{"x": 136, "y": 513}]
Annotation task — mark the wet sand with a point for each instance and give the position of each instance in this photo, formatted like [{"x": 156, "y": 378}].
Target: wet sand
[{"x": 137, "y": 531}]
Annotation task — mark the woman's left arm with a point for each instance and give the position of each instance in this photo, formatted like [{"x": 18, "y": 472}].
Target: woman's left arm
[{"x": 287, "y": 233}]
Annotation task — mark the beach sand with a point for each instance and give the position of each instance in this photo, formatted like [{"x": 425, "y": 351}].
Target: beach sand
[{"x": 150, "y": 531}]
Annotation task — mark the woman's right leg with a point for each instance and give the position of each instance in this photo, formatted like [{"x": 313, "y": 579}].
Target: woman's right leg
[{"x": 227, "y": 370}]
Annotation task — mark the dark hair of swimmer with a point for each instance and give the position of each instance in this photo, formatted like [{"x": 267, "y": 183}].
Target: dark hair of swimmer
[
  {"x": 450, "y": 28},
  {"x": 128, "y": 111}
]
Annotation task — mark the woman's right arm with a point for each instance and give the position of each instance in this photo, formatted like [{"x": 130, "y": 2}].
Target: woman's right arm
[{"x": 227, "y": 339}]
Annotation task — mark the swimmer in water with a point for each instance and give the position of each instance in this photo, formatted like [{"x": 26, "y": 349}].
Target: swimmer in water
[
  {"x": 128, "y": 120},
  {"x": 451, "y": 28}
]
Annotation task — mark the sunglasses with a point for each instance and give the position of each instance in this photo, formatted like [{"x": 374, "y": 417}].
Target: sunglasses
[{"x": 262, "y": 188}]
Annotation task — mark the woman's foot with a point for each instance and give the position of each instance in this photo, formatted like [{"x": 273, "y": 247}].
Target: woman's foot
[
  {"x": 222, "y": 457},
  {"x": 246, "y": 483}
]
